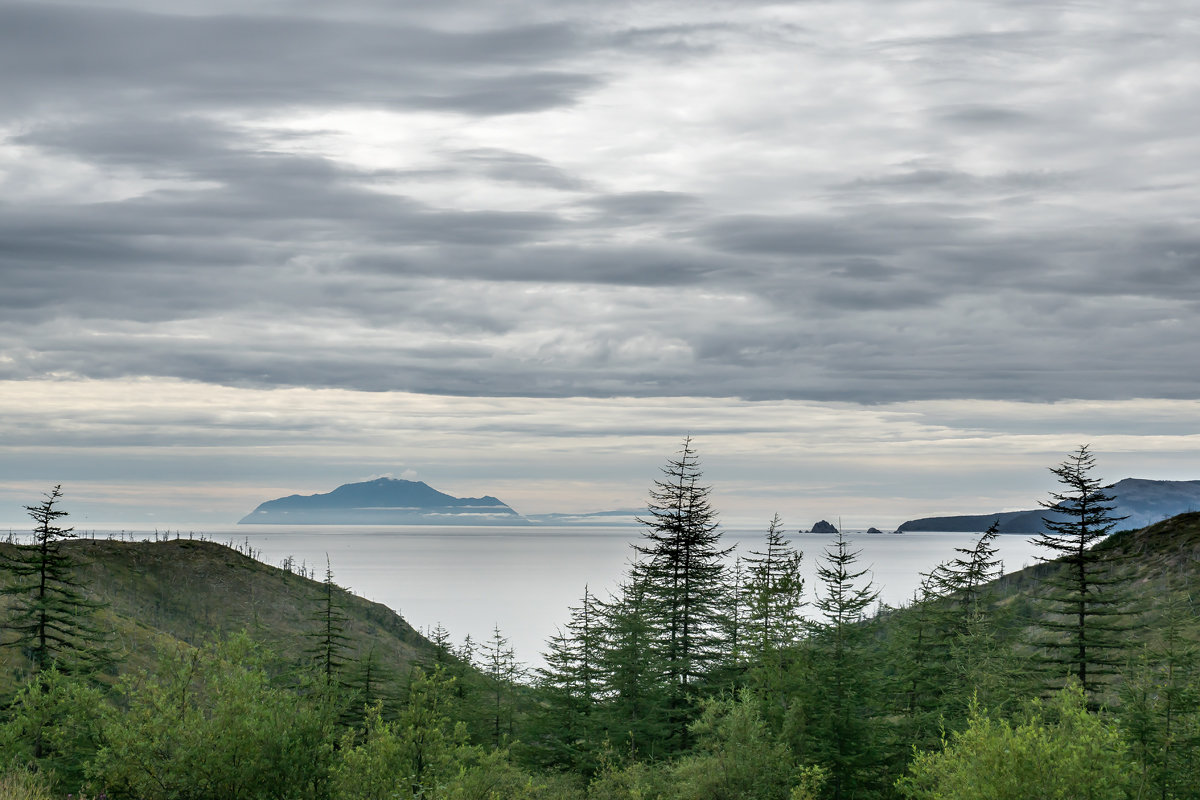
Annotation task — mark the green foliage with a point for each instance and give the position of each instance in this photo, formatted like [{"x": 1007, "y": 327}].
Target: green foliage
[
  {"x": 945, "y": 648},
  {"x": 1060, "y": 751},
  {"x": 849, "y": 692},
  {"x": 1160, "y": 708},
  {"x": 633, "y": 713},
  {"x": 633, "y": 780},
  {"x": 189, "y": 590},
  {"x": 208, "y": 723},
  {"x": 368, "y": 681},
  {"x": 425, "y": 755},
  {"x": 490, "y": 775},
  {"x": 735, "y": 757},
  {"x": 410, "y": 756},
  {"x": 53, "y": 726}
]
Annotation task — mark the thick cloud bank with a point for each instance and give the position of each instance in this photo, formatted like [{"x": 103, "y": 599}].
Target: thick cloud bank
[{"x": 854, "y": 201}]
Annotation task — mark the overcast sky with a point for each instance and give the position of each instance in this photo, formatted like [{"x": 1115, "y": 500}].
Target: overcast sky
[{"x": 881, "y": 258}]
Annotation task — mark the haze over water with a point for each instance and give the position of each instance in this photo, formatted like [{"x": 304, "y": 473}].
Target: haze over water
[{"x": 523, "y": 579}]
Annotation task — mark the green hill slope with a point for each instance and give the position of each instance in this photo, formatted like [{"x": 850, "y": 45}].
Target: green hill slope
[
  {"x": 1165, "y": 557},
  {"x": 193, "y": 590}
]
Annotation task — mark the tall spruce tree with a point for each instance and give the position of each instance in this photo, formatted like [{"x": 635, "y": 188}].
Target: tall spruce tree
[
  {"x": 564, "y": 726},
  {"x": 682, "y": 572},
  {"x": 329, "y": 640},
  {"x": 919, "y": 664},
  {"x": 943, "y": 644},
  {"x": 773, "y": 596},
  {"x": 51, "y": 619},
  {"x": 965, "y": 578},
  {"x": 633, "y": 693},
  {"x": 501, "y": 671},
  {"x": 370, "y": 681},
  {"x": 443, "y": 649},
  {"x": 735, "y": 618},
  {"x": 1086, "y": 603},
  {"x": 774, "y": 591},
  {"x": 840, "y": 691},
  {"x": 985, "y": 665}
]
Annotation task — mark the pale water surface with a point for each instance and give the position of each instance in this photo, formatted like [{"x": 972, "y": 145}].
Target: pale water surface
[{"x": 523, "y": 579}]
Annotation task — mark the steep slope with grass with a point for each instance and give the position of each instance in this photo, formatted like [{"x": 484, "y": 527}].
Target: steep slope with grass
[
  {"x": 1164, "y": 557},
  {"x": 193, "y": 590}
]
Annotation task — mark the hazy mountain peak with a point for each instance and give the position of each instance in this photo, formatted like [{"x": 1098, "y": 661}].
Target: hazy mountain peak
[
  {"x": 384, "y": 501},
  {"x": 1141, "y": 501}
]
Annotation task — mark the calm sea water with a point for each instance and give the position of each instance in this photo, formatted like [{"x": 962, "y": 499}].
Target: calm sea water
[{"x": 470, "y": 579}]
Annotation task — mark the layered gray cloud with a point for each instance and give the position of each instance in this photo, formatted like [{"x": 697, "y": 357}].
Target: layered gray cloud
[{"x": 754, "y": 201}]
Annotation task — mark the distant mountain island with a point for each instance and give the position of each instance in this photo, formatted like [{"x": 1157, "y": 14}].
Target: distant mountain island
[
  {"x": 1144, "y": 502},
  {"x": 384, "y": 501},
  {"x": 391, "y": 501}
]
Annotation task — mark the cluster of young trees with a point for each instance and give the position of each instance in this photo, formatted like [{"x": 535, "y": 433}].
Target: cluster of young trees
[
  {"x": 841, "y": 690},
  {"x": 836, "y": 696},
  {"x": 697, "y": 677}
]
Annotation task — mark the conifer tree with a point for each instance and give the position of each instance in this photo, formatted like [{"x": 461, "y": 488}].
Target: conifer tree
[
  {"x": 439, "y": 637},
  {"x": 1086, "y": 602},
  {"x": 1160, "y": 707},
  {"x": 501, "y": 669},
  {"x": 736, "y": 611},
  {"x": 565, "y": 727},
  {"x": 633, "y": 690},
  {"x": 467, "y": 651},
  {"x": 839, "y": 694},
  {"x": 682, "y": 575},
  {"x": 774, "y": 593},
  {"x": 983, "y": 663},
  {"x": 50, "y": 618},
  {"x": 918, "y": 656},
  {"x": 967, "y": 575},
  {"x": 945, "y": 648},
  {"x": 329, "y": 640},
  {"x": 371, "y": 682}
]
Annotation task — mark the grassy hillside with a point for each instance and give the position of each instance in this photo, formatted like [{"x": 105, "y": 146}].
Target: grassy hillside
[
  {"x": 1162, "y": 561},
  {"x": 1163, "y": 558},
  {"x": 192, "y": 590}
]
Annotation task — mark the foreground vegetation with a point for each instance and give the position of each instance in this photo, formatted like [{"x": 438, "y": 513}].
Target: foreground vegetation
[{"x": 696, "y": 678}]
